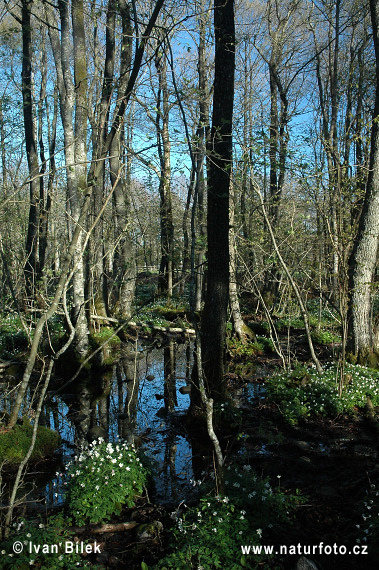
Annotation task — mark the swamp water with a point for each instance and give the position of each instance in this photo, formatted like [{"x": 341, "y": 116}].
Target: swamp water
[{"x": 143, "y": 400}]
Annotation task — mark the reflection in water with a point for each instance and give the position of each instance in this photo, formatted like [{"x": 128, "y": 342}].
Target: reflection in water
[
  {"x": 170, "y": 399},
  {"x": 141, "y": 403}
]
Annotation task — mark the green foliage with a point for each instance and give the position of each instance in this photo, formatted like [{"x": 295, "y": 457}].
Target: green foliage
[
  {"x": 105, "y": 334},
  {"x": 303, "y": 392},
  {"x": 325, "y": 337},
  {"x": 102, "y": 479},
  {"x": 13, "y": 338},
  {"x": 227, "y": 414},
  {"x": 210, "y": 535},
  {"x": 292, "y": 322},
  {"x": 15, "y": 443},
  {"x": 162, "y": 313},
  {"x": 239, "y": 349},
  {"x": 57, "y": 330},
  {"x": 173, "y": 305},
  {"x": 147, "y": 316},
  {"x": 146, "y": 289},
  {"x": 324, "y": 324},
  {"x": 266, "y": 344},
  {"x": 27, "y": 534}
]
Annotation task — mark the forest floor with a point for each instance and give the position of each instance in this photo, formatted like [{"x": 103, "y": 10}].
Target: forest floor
[{"x": 332, "y": 463}]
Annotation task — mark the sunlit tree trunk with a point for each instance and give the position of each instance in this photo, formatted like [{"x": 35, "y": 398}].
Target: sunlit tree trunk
[
  {"x": 364, "y": 256},
  {"x": 81, "y": 115},
  {"x": 125, "y": 261}
]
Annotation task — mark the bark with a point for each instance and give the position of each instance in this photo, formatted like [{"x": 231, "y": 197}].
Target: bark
[
  {"x": 31, "y": 245},
  {"x": 80, "y": 83},
  {"x": 214, "y": 317},
  {"x": 125, "y": 260},
  {"x": 4, "y": 167},
  {"x": 98, "y": 285},
  {"x": 45, "y": 190},
  {"x": 203, "y": 133},
  {"x": 72, "y": 95},
  {"x": 165, "y": 281},
  {"x": 240, "y": 329},
  {"x": 329, "y": 100},
  {"x": 364, "y": 255}
]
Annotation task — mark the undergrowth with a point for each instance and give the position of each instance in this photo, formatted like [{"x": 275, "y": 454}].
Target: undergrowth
[{"x": 303, "y": 392}]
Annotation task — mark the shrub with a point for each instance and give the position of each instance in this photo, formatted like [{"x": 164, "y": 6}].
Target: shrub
[
  {"x": 103, "y": 478},
  {"x": 210, "y": 535},
  {"x": 303, "y": 392},
  {"x": 13, "y": 338},
  {"x": 16, "y": 552}
]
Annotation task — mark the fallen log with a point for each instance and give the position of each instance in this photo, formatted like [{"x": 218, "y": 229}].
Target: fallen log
[
  {"x": 138, "y": 324},
  {"x": 106, "y": 527}
]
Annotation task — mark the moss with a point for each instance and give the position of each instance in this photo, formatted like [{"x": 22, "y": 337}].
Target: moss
[
  {"x": 351, "y": 358},
  {"x": 14, "y": 444},
  {"x": 99, "y": 338},
  {"x": 371, "y": 359}
]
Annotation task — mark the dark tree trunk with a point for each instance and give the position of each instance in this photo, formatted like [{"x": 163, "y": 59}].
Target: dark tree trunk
[
  {"x": 220, "y": 150},
  {"x": 31, "y": 245},
  {"x": 165, "y": 281}
]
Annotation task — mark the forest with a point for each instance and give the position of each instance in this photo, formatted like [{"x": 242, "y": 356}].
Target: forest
[{"x": 189, "y": 309}]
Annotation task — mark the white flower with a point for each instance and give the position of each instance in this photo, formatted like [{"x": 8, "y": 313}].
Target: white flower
[{"x": 259, "y": 532}]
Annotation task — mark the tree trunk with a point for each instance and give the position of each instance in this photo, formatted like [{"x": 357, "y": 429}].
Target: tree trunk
[
  {"x": 364, "y": 255},
  {"x": 31, "y": 245},
  {"x": 220, "y": 150},
  {"x": 126, "y": 258},
  {"x": 81, "y": 115},
  {"x": 165, "y": 282}
]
